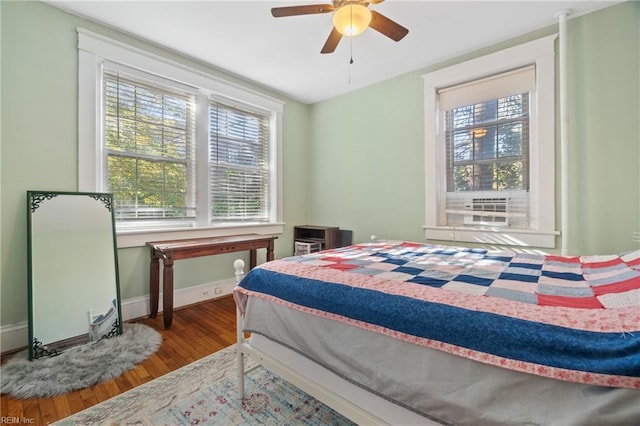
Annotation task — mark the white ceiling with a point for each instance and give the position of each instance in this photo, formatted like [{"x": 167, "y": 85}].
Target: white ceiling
[{"x": 284, "y": 53}]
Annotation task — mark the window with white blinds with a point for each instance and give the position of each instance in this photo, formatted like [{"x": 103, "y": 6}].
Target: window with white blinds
[
  {"x": 151, "y": 154},
  {"x": 486, "y": 138},
  {"x": 150, "y": 149},
  {"x": 238, "y": 163},
  {"x": 185, "y": 153},
  {"x": 489, "y": 148}
]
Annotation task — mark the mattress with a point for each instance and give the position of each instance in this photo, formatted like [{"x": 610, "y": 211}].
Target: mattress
[{"x": 433, "y": 384}]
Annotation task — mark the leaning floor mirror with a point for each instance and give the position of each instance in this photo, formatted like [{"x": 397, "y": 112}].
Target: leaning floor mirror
[{"x": 74, "y": 293}]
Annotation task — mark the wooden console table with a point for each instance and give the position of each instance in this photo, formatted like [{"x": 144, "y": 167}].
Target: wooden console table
[{"x": 170, "y": 251}]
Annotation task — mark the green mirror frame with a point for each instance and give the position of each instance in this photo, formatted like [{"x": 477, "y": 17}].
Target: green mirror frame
[{"x": 72, "y": 270}]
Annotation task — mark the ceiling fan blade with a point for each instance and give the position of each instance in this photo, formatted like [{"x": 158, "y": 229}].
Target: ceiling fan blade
[
  {"x": 374, "y": 1},
  {"x": 386, "y": 26},
  {"x": 332, "y": 42},
  {"x": 308, "y": 9}
]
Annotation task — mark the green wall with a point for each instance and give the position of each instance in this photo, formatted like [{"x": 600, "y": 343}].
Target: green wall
[
  {"x": 604, "y": 121},
  {"x": 368, "y": 165},
  {"x": 364, "y": 171},
  {"x": 39, "y": 147}
]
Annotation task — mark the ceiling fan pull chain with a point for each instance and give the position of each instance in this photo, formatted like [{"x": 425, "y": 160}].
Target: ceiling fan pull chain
[
  {"x": 351, "y": 44},
  {"x": 351, "y": 57},
  {"x": 351, "y": 50}
]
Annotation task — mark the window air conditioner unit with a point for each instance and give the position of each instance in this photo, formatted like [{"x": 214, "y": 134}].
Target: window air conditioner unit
[{"x": 487, "y": 211}]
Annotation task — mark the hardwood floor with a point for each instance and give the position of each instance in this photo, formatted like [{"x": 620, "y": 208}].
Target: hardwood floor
[{"x": 196, "y": 331}]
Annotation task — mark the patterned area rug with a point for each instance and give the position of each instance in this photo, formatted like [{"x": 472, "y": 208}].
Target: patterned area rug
[{"x": 205, "y": 393}]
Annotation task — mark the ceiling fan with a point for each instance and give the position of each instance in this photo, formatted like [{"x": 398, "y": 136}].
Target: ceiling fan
[{"x": 350, "y": 18}]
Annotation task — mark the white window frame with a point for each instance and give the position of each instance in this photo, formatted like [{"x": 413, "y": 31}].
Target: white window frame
[
  {"x": 541, "y": 232},
  {"x": 93, "y": 51}
]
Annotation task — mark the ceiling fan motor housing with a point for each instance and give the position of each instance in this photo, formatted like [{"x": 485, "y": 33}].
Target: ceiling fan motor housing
[{"x": 351, "y": 18}]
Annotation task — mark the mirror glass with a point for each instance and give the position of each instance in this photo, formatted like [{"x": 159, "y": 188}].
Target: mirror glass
[{"x": 74, "y": 294}]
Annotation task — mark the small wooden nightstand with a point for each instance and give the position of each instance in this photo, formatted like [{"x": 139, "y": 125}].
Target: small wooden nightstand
[{"x": 327, "y": 236}]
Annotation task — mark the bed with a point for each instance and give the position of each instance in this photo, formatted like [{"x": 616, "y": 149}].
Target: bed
[{"x": 407, "y": 333}]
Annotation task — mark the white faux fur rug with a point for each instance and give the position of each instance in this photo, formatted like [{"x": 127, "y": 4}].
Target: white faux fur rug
[{"x": 80, "y": 366}]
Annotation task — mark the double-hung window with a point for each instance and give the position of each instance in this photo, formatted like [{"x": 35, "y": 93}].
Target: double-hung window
[
  {"x": 184, "y": 153},
  {"x": 489, "y": 145},
  {"x": 239, "y": 164},
  {"x": 149, "y": 145},
  {"x": 486, "y": 142}
]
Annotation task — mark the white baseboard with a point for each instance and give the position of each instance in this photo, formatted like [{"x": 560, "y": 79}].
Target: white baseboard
[
  {"x": 139, "y": 307},
  {"x": 16, "y": 336}
]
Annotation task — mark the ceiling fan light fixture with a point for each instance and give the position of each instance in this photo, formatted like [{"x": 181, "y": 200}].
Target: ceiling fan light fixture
[{"x": 351, "y": 19}]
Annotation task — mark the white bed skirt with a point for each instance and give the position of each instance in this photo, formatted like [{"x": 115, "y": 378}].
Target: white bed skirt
[{"x": 374, "y": 408}]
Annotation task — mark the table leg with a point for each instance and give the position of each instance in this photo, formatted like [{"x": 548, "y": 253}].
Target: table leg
[
  {"x": 154, "y": 284},
  {"x": 167, "y": 292},
  {"x": 253, "y": 259},
  {"x": 270, "y": 251}
]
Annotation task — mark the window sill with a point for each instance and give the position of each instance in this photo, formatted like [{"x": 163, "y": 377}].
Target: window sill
[
  {"x": 496, "y": 236},
  {"x": 139, "y": 238}
]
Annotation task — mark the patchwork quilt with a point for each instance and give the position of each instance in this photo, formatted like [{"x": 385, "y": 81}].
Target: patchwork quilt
[{"x": 568, "y": 318}]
